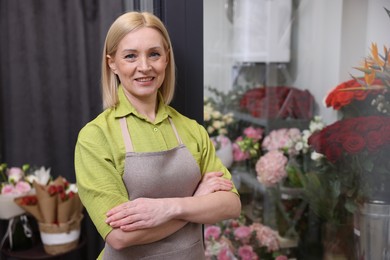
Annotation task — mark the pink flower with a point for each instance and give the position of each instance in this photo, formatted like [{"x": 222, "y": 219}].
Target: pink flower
[
  {"x": 225, "y": 254},
  {"x": 281, "y": 257},
  {"x": 266, "y": 236},
  {"x": 243, "y": 234},
  {"x": 254, "y": 133},
  {"x": 8, "y": 189},
  {"x": 15, "y": 174},
  {"x": 246, "y": 253},
  {"x": 238, "y": 154},
  {"x": 22, "y": 187},
  {"x": 212, "y": 232},
  {"x": 270, "y": 168}
]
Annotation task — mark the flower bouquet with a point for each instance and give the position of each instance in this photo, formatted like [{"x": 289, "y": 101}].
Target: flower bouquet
[
  {"x": 353, "y": 183},
  {"x": 17, "y": 182},
  {"x": 58, "y": 210},
  {"x": 278, "y": 102},
  {"x": 246, "y": 147},
  {"x": 234, "y": 239}
]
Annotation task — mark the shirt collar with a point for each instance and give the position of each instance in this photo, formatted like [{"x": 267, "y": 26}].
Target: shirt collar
[{"x": 125, "y": 108}]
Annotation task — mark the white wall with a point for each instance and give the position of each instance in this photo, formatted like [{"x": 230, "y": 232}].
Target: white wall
[{"x": 329, "y": 38}]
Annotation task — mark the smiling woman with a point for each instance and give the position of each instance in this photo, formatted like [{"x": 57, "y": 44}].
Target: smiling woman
[
  {"x": 150, "y": 170},
  {"x": 139, "y": 63}
]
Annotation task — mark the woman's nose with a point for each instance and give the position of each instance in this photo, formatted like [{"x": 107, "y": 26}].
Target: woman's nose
[{"x": 143, "y": 64}]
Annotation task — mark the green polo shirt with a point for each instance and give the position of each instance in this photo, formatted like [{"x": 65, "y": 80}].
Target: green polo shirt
[{"x": 100, "y": 153}]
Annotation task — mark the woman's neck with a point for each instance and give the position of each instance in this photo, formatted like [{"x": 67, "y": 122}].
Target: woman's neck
[{"x": 146, "y": 107}]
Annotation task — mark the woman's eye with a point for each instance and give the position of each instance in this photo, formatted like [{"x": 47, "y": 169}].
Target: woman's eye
[
  {"x": 130, "y": 56},
  {"x": 155, "y": 54}
]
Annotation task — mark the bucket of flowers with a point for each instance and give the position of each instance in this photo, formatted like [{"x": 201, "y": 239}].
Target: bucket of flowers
[
  {"x": 58, "y": 210},
  {"x": 356, "y": 168}
]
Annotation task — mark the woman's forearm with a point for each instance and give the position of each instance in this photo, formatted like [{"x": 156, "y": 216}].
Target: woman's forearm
[
  {"x": 207, "y": 209},
  {"x": 120, "y": 239}
]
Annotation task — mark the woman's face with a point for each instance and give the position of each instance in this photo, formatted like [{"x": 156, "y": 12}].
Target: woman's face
[{"x": 140, "y": 63}]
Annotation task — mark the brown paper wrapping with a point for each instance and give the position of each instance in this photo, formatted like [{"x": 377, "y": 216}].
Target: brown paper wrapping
[
  {"x": 51, "y": 209},
  {"x": 47, "y": 204},
  {"x": 31, "y": 209}
]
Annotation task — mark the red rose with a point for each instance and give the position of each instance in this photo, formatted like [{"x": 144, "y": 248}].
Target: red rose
[
  {"x": 52, "y": 190},
  {"x": 374, "y": 140},
  {"x": 318, "y": 142},
  {"x": 366, "y": 124},
  {"x": 29, "y": 200},
  {"x": 353, "y": 143},
  {"x": 333, "y": 153}
]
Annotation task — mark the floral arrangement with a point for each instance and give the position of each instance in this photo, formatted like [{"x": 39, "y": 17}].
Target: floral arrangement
[
  {"x": 233, "y": 239},
  {"x": 215, "y": 122},
  {"x": 58, "y": 210},
  {"x": 354, "y": 167},
  {"x": 358, "y": 149},
  {"x": 247, "y": 146},
  {"x": 285, "y": 149},
  {"x": 16, "y": 182},
  {"x": 278, "y": 102},
  {"x": 56, "y": 202}
]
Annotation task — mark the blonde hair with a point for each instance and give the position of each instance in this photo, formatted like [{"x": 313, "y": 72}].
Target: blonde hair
[{"x": 123, "y": 25}]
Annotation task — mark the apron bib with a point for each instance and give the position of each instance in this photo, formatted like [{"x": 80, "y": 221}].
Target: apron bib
[{"x": 164, "y": 174}]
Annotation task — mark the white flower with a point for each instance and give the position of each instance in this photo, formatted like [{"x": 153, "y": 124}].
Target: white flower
[
  {"x": 42, "y": 175},
  {"x": 72, "y": 188},
  {"x": 316, "y": 124},
  {"x": 316, "y": 156}
]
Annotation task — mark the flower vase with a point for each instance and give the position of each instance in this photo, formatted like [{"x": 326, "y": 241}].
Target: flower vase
[
  {"x": 225, "y": 153},
  {"x": 224, "y": 149},
  {"x": 371, "y": 231}
]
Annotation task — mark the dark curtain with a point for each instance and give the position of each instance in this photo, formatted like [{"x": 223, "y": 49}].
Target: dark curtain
[{"x": 50, "y": 53}]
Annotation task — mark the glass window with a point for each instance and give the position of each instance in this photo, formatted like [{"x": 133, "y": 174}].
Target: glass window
[{"x": 296, "y": 99}]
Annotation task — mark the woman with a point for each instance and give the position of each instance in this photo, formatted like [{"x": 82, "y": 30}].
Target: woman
[{"x": 147, "y": 175}]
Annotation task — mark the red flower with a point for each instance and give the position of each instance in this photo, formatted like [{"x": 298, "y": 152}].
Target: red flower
[
  {"x": 333, "y": 152},
  {"x": 29, "y": 200},
  {"x": 351, "y": 137},
  {"x": 348, "y": 91},
  {"x": 375, "y": 139},
  {"x": 278, "y": 102},
  {"x": 353, "y": 143},
  {"x": 52, "y": 190}
]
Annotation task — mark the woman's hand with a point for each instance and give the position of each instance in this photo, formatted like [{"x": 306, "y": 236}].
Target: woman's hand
[
  {"x": 143, "y": 213},
  {"x": 138, "y": 214},
  {"x": 212, "y": 182}
]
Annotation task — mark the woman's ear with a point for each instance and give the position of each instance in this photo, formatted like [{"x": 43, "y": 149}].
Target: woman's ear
[{"x": 111, "y": 63}]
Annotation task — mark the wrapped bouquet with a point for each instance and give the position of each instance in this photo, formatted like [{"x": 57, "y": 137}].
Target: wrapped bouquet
[{"x": 58, "y": 211}]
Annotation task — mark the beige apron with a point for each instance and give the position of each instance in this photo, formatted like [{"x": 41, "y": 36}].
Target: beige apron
[{"x": 171, "y": 173}]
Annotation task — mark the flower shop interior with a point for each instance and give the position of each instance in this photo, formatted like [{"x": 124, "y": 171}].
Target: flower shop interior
[{"x": 293, "y": 94}]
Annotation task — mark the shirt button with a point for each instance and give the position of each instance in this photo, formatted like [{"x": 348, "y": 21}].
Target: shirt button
[{"x": 155, "y": 129}]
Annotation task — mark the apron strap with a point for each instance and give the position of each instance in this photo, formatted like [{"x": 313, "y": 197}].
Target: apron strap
[
  {"x": 126, "y": 135},
  {"x": 174, "y": 130}
]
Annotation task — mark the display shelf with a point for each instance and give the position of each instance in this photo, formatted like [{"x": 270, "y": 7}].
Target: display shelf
[{"x": 270, "y": 124}]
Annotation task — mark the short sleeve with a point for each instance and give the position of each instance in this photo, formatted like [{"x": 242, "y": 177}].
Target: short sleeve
[{"x": 99, "y": 182}]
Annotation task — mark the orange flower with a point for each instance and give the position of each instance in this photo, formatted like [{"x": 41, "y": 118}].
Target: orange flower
[
  {"x": 375, "y": 55},
  {"x": 369, "y": 77}
]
